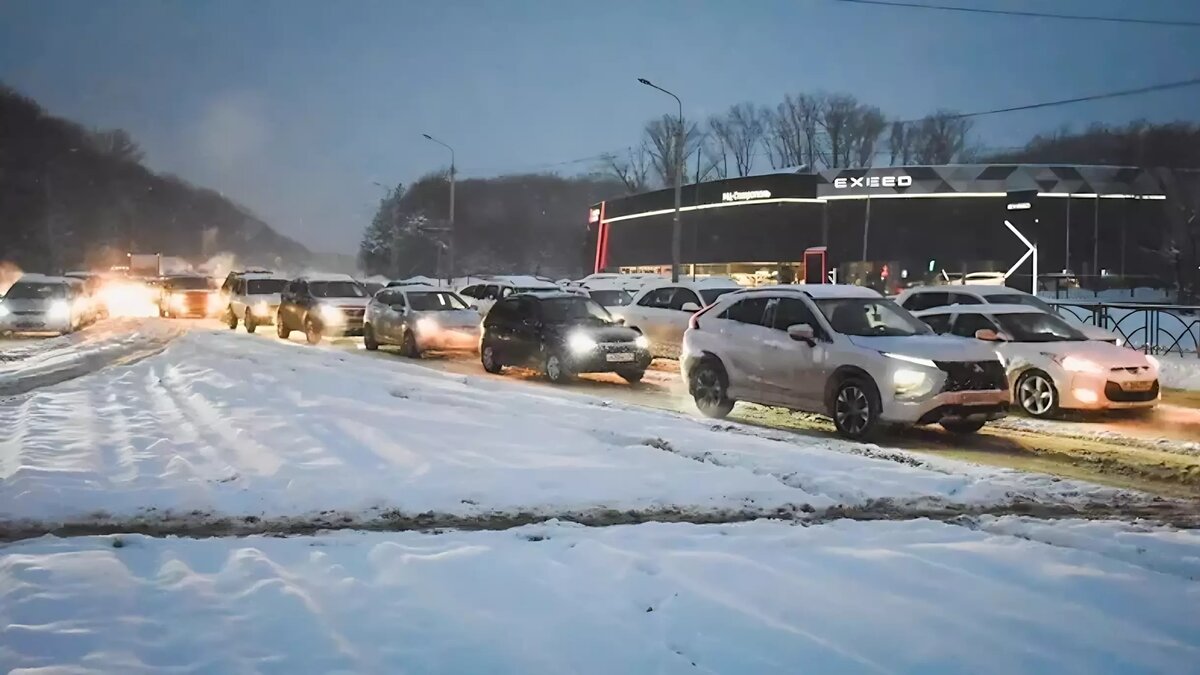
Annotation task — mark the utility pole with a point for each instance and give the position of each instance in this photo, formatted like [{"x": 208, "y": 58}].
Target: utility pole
[
  {"x": 676, "y": 227},
  {"x": 450, "y": 236}
]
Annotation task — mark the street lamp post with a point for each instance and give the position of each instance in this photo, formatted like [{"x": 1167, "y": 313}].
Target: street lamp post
[
  {"x": 450, "y": 247},
  {"x": 676, "y": 227}
]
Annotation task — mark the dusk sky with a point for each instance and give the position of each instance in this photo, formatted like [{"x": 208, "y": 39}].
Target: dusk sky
[{"x": 296, "y": 107}]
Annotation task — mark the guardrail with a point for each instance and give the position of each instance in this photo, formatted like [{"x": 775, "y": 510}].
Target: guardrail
[{"x": 1155, "y": 329}]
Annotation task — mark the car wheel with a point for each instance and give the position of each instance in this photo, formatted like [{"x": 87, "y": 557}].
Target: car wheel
[
  {"x": 312, "y": 333},
  {"x": 410, "y": 348},
  {"x": 281, "y": 327},
  {"x": 369, "y": 340},
  {"x": 632, "y": 376},
  {"x": 961, "y": 426},
  {"x": 249, "y": 322},
  {"x": 710, "y": 390},
  {"x": 556, "y": 369},
  {"x": 231, "y": 319},
  {"x": 488, "y": 357},
  {"x": 1036, "y": 394},
  {"x": 856, "y": 408}
]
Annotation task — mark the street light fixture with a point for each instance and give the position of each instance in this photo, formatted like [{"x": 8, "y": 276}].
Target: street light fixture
[
  {"x": 676, "y": 227},
  {"x": 450, "y": 248}
]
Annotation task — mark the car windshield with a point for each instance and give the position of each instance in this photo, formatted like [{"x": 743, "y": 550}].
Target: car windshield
[
  {"x": 1038, "y": 327},
  {"x": 614, "y": 298},
  {"x": 264, "y": 286},
  {"x": 1020, "y": 299},
  {"x": 435, "y": 301},
  {"x": 187, "y": 284},
  {"x": 710, "y": 295},
  {"x": 30, "y": 290},
  {"x": 567, "y": 310},
  {"x": 870, "y": 317},
  {"x": 336, "y": 289}
]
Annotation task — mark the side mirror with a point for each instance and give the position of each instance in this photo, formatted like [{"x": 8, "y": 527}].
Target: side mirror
[
  {"x": 989, "y": 335},
  {"x": 399, "y": 308},
  {"x": 690, "y": 307},
  {"x": 474, "y": 307},
  {"x": 801, "y": 332},
  {"x": 620, "y": 320}
]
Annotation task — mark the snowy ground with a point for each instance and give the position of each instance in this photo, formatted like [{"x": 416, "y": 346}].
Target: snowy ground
[
  {"x": 762, "y": 597},
  {"x": 1180, "y": 372},
  {"x": 223, "y": 426}
]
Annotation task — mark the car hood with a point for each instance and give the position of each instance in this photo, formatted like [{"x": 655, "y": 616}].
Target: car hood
[
  {"x": 27, "y": 304},
  {"x": 597, "y": 333},
  {"x": 1097, "y": 333},
  {"x": 451, "y": 318},
  {"x": 1104, "y": 353},
  {"x": 932, "y": 347}
]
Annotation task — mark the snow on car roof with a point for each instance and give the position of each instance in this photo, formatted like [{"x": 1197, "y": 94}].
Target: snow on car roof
[
  {"x": 326, "y": 277},
  {"x": 524, "y": 281},
  {"x": 821, "y": 291},
  {"x": 978, "y": 289},
  {"x": 981, "y": 309},
  {"x": 250, "y": 276},
  {"x": 421, "y": 288},
  {"x": 42, "y": 279}
]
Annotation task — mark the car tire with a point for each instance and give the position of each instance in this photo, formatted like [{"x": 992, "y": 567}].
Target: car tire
[
  {"x": 249, "y": 322},
  {"x": 632, "y": 376},
  {"x": 281, "y": 327},
  {"x": 409, "y": 347},
  {"x": 556, "y": 368},
  {"x": 709, "y": 386},
  {"x": 962, "y": 427},
  {"x": 855, "y": 408},
  {"x": 1036, "y": 394},
  {"x": 369, "y": 341},
  {"x": 231, "y": 319},
  {"x": 487, "y": 356},
  {"x": 312, "y": 333}
]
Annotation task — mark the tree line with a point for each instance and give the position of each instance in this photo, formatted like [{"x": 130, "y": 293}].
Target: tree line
[
  {"x": 806, "y": 130},
  {"x": 72, "y": 197}
]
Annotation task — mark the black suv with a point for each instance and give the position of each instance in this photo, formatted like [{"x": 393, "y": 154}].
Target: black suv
[
  {"x": 562, "y": 334},
  {"x": 321, "y": 306}
]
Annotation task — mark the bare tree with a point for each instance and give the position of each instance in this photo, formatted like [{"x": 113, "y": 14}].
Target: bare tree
[
  {"x": 793, "y": 131},
  {"x": 869, "y": 124},
  {"x": 632, "y": 169},
  {"x": 838, "y": 119},
  {"x": 940, "y": 138},
  {"x": 117, "y": 144},
  {"x": 739, "y": 132},
  {"x": 900, "y": 143},
  {"x": 660, "y": 139}
]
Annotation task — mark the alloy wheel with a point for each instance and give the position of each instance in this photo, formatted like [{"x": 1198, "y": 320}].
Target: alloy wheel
[
  {"x": 852, "y": 409},
  {"x": 1036, "y": 394}
]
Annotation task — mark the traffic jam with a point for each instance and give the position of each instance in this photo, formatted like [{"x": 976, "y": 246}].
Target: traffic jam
[{"x": 956, "y": 356}]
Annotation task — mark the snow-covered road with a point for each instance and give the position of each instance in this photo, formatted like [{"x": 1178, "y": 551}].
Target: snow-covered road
[
  {"x": 218, "y": 426},
  {"x": 762, "y": 597}
]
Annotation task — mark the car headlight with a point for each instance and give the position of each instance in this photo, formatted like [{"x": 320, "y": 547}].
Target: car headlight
[
  {"x": 331, "y": 314},
  {"x": 177, "y": 301},
  {"x": 1153, "y": 361},
  {"x": 59, "y": 309},
  {"x": 427, "y": 325},
  {"x": 214, "y": 301},
  {"x": 3, "y": 311},
  {"x": 1075, "y": 364},
  {"x": 1120, "y": 342},
  {"x": 580, "y": 343},
  {"x": 262, "y": 309},
  {"x": 908, "y": 378},
  {"x": 916, "y": 360},
  {"x": 642, "y": 342}
]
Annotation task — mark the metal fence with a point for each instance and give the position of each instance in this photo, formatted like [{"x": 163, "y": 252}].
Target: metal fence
[{"x": 1152, "y": 328}]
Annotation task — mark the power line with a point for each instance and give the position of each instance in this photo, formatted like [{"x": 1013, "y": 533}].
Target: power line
[{"x": 1040, "y": 15}]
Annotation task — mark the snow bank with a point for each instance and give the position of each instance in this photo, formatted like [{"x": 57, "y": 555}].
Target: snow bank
[
  {"x": 762, "y": 597},
  {"x": 1180, "y": 372},
  {"x": 223, "y": 424}
]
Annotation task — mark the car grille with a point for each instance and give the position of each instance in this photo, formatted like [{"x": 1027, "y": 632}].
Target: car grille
[
  {"x": 196, "y": 302},
  {"x": 608, "y": 347},
  {"x": 353, "y": 314},
  {"x": 29, "y": 312},
  {"x": 1132, "y": 370},
  {"x": 973, "y": 375},
  {"x": 1114, "y": 393}
]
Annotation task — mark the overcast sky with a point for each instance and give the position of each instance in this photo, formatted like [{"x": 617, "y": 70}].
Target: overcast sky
[{"x": 296, "y": 107}]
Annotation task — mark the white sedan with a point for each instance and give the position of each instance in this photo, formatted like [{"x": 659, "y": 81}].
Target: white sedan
[
  {"x": 661, "y": 311},
  {"x": 1050, "y": 363}
]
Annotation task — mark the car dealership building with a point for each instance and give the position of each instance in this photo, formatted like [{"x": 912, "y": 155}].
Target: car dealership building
[{"x": 879, "y": 225}]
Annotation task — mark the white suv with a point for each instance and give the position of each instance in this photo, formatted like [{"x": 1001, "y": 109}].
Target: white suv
[
  {"x": 661, "y": 311},
  {"x": 254, "y": 299},
  {"x": 843, "y": 351},
  {"x": 921, "y": 298}
]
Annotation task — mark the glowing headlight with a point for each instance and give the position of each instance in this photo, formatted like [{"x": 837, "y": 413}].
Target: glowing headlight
[
  {"x": 59, "y": 309},
  {"x": 580, "y": 343},
  {"x": 331, "y": 314},
  {"x": 1120, "y": 342},
  {"x": 1075, "y": 364},
  {"x": 642, "y": 342},
  {"x": 3, "y": 311},
  {"x": 177, "y": 301},
  {"x": 214, "y": 302},
  {"x": 1153, "y": 361},
  {"x": 907, "y": 378},
  {"x": 262, "y": 309},
  {"x": 427, "y": 325}
]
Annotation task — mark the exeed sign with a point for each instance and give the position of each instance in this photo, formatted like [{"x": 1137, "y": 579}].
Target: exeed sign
[
  {"x": 743, "y": 196},
  {"x": 872, "y": 182}
]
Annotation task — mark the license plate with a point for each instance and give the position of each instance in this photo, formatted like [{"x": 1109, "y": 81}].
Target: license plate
[
  {"x": 1137, "y": 386},
  {"x": 619, "y": 358},
  {"x": 30, "y": 324},
  {"x": 976, "y": 398}
]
